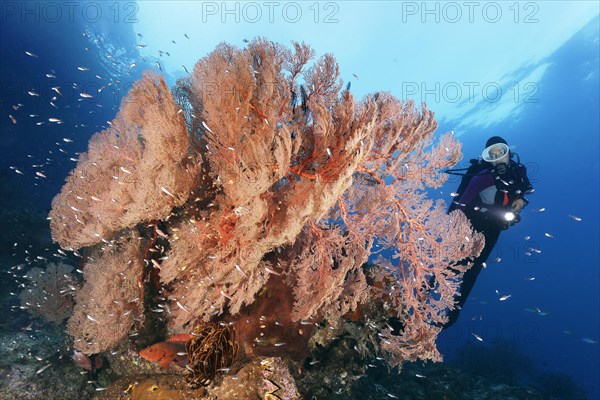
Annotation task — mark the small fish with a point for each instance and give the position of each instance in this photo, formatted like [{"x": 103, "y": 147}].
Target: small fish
[
  {"x": 226, "y": 295},
  {"x": 45, "y": 367},
  {"x": 328, "y": 151},
  {"x": 83, "y": 68},
  {"x": 50, "y": 76},
  {"x": 533, "y": 310},
  {"x": 454, "y": 194},
  {"x": 32, "y": 93},
  {"x": 30, "y": 54},
  {"x": 182, "y": 307},
  {"x": 125, "y": 170},
  {"x": 589, "y": 341},
  {"x": 527, "y": 237},
  {"x": 540, "y": 209},
  {"x": 575, "y": 218},
  {"x": 12, "y": 119},
  {"x": 86, "y": 95},
  {"x": 185, "y": 69},
  {"x": 477, "y": 337},
  {"x": 166, "y": 191},
  {"x": 354, "y": 75},
  {"x": 505, "y": 297},
  {"x": 161, "y": 233},
  {"x": 279, "y": 344},
  {"x": 91, "y": 318},
  {"x": 240, "y": 270},
  {"x": 186, "y": 36},
  {"x": 158, "y": 65},
  {"x": 40, "y": 174},
  {"x": 206, "y": 127},
  {"x": 141, "y": 46},
  {"x": 270, "y": 271},
  {"x": 56, "y": 89}
]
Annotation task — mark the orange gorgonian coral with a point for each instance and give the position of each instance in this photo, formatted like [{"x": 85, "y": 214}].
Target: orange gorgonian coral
[{"x": 261, "y": 164}]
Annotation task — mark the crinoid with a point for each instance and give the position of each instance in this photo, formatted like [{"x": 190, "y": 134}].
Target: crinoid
[{"x": 212, "y": 349}]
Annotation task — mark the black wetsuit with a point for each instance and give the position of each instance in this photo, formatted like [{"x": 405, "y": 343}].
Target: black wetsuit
[{"x": 485, "y": 197}]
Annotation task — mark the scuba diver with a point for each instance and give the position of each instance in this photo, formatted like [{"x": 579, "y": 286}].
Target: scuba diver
[{"x": 491, "y": 194}]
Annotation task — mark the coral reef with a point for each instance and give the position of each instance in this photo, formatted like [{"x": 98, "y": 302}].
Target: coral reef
[
  {"x": 50, "y": 292},
  {"x": 260, "y": 184},
  {"x": 153, "y": 387},
  {"x": 111, "y": 298},
  {"x": 33, "y": 366},
  {"x": 338, "y": 371},
  {"x": 262, "y": 378},
  {"x": 136, "y": 170}
]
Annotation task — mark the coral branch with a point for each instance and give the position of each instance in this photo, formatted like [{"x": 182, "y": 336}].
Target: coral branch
[{"x": 136, "y": 170}]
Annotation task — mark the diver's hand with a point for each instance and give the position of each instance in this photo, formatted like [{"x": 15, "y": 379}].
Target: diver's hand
[{"x": 517, "y": 205}]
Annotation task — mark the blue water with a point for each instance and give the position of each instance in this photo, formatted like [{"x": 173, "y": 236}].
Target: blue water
[
  {"x": 557, "y": 137},
  {"x": 555, "y": 317}
]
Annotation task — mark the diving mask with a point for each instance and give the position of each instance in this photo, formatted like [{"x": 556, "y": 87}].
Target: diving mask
[{"x": 496, "y": 153}]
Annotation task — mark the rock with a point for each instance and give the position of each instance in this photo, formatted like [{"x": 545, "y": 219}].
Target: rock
[
  {"x": 153, "y": 387},
  {"x": 263, "y": 378}
]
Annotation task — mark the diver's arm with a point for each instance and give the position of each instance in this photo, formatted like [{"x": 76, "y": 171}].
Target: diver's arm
[
  {"x": 476, "y": 185},
  {"x": 525, "y": 185}
]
